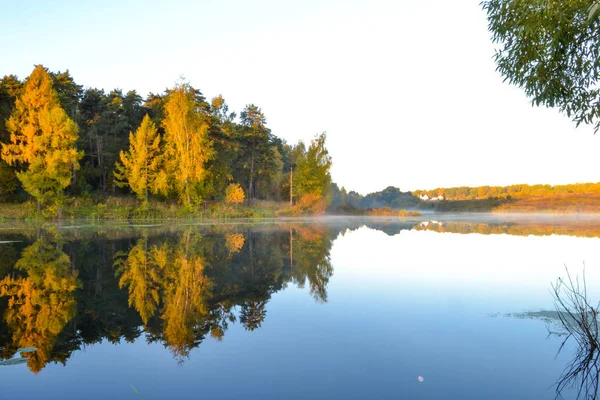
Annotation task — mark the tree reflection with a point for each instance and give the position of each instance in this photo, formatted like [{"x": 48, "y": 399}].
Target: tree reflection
[
  {"x": 141, "y": 272},
  {"x": 313, "y": 264},
  {"x": 196, "y": 283},
  {"x": 187, "y": 292},
  {"x": 40, "y": 299},
  {"x": 178, "y": 288},
  {"x": 253, "y": 313}
]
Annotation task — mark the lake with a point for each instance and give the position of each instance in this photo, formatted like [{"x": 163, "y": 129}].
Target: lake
[{"x": 432, "y": 307}]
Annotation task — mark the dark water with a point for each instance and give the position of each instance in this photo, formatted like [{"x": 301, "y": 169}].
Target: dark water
[{"x": 365, "y": 309}]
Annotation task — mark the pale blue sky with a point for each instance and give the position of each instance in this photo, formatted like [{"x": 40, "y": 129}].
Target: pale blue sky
[{"x": 406, "y": 90}]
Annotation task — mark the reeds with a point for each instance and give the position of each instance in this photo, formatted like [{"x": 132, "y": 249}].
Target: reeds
[{"x": 579, "y": 317}]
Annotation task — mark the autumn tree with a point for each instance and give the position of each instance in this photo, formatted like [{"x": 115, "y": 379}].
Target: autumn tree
[
  {"x": 550, "y": 49},
  {"x": 42, "y": 137},
  {"x": 187, "y": 145},
  {"x": 313, "y": 171},
  {"x": 140, "y": 166}
]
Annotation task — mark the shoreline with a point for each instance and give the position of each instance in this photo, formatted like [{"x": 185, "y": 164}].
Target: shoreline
[{"x": 444, "y": 217}]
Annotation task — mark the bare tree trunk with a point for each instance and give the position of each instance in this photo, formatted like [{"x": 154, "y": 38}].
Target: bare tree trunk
[
  {"x": 250, "y": 192},
  {"x": 73, "y": 178},
  {"x": 291, "y": 186},
  {"x": 99, "y": 150}
]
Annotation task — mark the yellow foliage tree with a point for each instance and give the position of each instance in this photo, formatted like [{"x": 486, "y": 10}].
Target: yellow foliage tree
[
  {"x": 140, "y": 166},
  {"x": 187, "y": 145},
  {"x": 234, "y": 194},
  {"x": 42, "y": 137}
]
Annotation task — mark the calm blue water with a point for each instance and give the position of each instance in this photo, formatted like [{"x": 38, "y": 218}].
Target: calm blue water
[{"x": 322, "y": 311}]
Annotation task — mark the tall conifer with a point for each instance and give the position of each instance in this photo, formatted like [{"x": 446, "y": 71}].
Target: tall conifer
[
  {"x": 42, "y": 138},
  {"x": 140, "y": 166}
]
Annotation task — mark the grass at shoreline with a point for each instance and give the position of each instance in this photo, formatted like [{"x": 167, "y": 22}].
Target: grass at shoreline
[
  {"x": 128, "y": 209},
  {"x": 125, "y": 209}
]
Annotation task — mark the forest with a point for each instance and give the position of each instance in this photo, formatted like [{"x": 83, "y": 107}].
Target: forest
[
  {"x": 70, "y": 151},
  {"x": 62, "y": 142}
]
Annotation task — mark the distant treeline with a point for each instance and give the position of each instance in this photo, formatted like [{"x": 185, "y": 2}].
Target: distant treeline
[
  {"x": 487, "y": 198},
  {"x": 512, "y": 191},
  {"x": 389, "y": 197}
]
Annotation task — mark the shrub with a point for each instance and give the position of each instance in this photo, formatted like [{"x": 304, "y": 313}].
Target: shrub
[
  {"x": 310, "y": 204},
  {"x": 234, "y": 194}
]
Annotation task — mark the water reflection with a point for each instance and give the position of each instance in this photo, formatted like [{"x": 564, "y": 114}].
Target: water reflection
[
  {"x": 62, "y": 290},
  {"x": 579, "y": 319},
  {"x": 582, "y": 373},
  {"x": 41, "y": 301},
  {"x": 534, "y": 228},
  {"x": 576, "y": 319},
  {"x": 178, "y": 288}
]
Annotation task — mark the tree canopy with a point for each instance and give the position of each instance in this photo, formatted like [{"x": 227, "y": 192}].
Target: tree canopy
[
  {"x": 550, "y": 49},
  {"x": 42, "y": 137},
  {"x": 186, "y": 148},
  {"x": 140, "y": 166},
  {"x": 187, "y": 145},
  {"x": 314, "y": 168}
]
